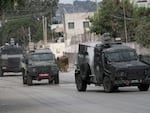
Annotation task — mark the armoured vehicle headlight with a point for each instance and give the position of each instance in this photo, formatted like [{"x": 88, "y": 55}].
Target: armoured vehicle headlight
[
  {"x": 147, "y": 72},
  {"x": 54, "y": 68},
  {"x": 121, "y": 74},
  {"x": 33, "y": 69}
]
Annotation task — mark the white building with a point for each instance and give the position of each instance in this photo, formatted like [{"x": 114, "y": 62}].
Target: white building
[
  {"x": 76, "y": 28},
  {"x": 76, "y": 23},
  {"x": 142, "y": 3}
]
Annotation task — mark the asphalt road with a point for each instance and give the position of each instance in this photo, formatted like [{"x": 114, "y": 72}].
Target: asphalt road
[{"x": 64, "y": 98}]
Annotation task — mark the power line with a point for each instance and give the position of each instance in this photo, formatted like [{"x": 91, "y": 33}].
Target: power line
[{"x": 22, "y": 16}]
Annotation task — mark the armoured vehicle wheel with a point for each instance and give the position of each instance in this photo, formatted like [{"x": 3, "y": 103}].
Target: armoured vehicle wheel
[
  {"x": 115, "y": 88},
  {"x": 23, "y": 72},
  {"x": 143, "y": 87},
  {"x": 50, "y": 81},
  {"x": 80, "y": 84},
  {"x": 23, "y": 77},
  {"x": 29, "y": 80},
  {"x": 108, "y": 87},
  {"x": 1, "y": 73},
  {"x": 24, "y": 80},
  {"x": 56, "y": 79}
]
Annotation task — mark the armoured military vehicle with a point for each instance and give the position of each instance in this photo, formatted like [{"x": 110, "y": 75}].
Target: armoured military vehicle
[
  {"x": 11, "y": 59},
  {"x": 110, "y": 64},
  {"x": 41, "y": 64}
]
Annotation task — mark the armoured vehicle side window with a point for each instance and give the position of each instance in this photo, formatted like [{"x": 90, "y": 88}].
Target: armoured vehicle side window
[{"x": 82, "y": 49}]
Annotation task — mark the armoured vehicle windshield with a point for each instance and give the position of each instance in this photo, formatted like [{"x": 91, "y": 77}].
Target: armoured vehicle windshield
[
  {"x": 42, "y": 57},
  {"x": 121, "y": 56},
  {"x": 12, "y": 51}
]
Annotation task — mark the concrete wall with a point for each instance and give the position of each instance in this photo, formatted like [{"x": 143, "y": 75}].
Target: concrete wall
[
  {"x": 57, "y": 48},
  {"x": 140, "y": 50}
]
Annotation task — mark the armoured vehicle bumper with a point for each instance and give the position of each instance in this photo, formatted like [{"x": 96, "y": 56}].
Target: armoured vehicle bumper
[
  {"x": 42, "y": 72},
  {"x": 131, "y": 82},
  {"x": 11, "y": 69}
]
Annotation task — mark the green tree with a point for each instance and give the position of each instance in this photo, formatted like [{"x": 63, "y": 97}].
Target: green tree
[
  {"x": 142, "y": 31},
  {"x": 23, "y": 16},
  {"x": 110, "y": 19},
  {"x": 19, "y": 30},
  {"x": 4, "y": 6},
  {"x": 10, "y": 4}
]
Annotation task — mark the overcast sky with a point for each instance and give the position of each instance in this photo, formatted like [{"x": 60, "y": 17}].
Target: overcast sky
[{"x": 71, "y": 1}]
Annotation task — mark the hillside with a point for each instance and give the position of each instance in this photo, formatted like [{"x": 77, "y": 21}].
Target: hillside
[{"x": 77, "y": 6}]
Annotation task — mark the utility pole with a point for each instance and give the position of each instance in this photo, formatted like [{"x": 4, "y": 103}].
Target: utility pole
[
  {"x": 125, "y": 21},
  {"x": 51, "y": 26},
  {"x": 45, "y": 41},
  {"x": 15, "y": 4},
  {"x": 29, "y": 34},
  {"x": 44, "y": 21}
]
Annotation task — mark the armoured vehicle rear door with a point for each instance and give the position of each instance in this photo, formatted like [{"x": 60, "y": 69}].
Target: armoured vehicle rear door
[{"x": 98, "y": 64}]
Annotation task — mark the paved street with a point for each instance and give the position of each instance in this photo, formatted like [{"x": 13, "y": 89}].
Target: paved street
[{"x": 64, "y": 98}]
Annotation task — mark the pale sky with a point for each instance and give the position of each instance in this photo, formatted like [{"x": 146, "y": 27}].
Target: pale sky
[{"x": 71, "y": 1}]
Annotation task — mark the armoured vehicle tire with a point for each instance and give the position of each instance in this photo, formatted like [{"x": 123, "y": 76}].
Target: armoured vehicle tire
[
  {"x": 1, "y": 73},
  {"x": 108, "y": 87},
  {"x": 29, "y": 80},
  {"x": 80, "y": 84},
  {"x": 24, "y": 80},
  {"x": 50, "y": 81},
  {"x": 23, "y": 72},
  {"x": 56, "y": 79},
  {"x": 143, "y": 87},
  {"x": 115, "y": 88},
  {"x": 23, "y": 77}
]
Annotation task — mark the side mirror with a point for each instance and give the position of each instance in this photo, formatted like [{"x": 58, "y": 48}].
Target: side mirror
[
  {"x": 26, "y": 61},
  {"x": 23, "y": 60},
  {"x": 140, "y": 57},
  {"x": 86, "y": 53},
  {"x": 106, "y": 61}
]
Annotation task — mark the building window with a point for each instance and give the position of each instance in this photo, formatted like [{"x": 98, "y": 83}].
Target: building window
[
  {"x": 86, "y": 24},
  {"x": 142, "y": 1},
  {"x": 71, "y": 25}
]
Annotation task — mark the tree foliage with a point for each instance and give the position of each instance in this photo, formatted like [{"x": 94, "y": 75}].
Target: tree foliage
[
  {"x": 28, "y": 13},
  {"x": 110, "y": 18},
  {"x": 11, "y": 5},
  {"x": 142, "y": 31},
  {"x": 19, "y": 30}
]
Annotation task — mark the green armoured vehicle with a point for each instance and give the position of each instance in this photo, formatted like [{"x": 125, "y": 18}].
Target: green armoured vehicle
[
  {"x": 11, "y": 59},
  {"x": 41, "y": 64}
]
